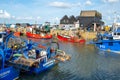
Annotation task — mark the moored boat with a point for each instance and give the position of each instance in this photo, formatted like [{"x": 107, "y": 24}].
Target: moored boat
[
  {"x": 109, "y": 41},
  {"x": 22, "y": 54},
  {"x": 39, "y": 36},
  {"x": 37, "y": 60},
  {"x": 32, "y": 57},
  {"x": 70, "y": 39},
  {"x": 18, "y": 34},
  {"x": 7, "y": 72}
]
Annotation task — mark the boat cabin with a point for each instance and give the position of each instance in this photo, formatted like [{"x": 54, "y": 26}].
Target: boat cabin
[
  {"x": 115, "y": 34},
  {"x": 116, "y": 31}
]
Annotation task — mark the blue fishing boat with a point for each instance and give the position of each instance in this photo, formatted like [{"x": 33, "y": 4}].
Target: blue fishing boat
[
  {"x": 109, "y": 41},
  {"x": 6, "y": 72},
  {"x": 30, "y": 56}
]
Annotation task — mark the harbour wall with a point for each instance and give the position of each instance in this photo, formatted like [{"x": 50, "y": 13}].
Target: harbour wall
[{"x": 85, "y": 34}]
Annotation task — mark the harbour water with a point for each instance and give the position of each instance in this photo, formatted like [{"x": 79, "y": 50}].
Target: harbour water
[{"x": 87, "y": 63}]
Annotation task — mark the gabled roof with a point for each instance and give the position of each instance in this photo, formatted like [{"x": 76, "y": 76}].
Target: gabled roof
[
  {"x": 90, "y": 13},
  {"x": 65, "y": 17},
  {"x": 72, "y": 19}
]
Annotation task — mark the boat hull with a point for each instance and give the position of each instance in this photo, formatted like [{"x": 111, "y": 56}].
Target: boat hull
[
  {"x": 108, "y": 45},
  {"x": 43, "y": 67},
  {"x": 9, "y": 73},
  {"x": 69, "y": 39},
  {"x": 38, "y": 36},
  {"x": 18, "y": 34}
]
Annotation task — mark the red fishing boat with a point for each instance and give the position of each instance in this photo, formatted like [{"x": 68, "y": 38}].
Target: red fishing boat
[
  {"x": 70, "y": 39},
  {"x": 38, "y": 36},
  {"x": 18, "y": 34}
]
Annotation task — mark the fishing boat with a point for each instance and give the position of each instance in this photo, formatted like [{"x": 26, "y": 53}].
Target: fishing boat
[
  {"x": 70, "y": 39},
  {"x": 109, "y": 41},
  {"x": 32, "y": 57},
  {"x": 18, "y": 34},
  {"x": 7, "y": 72},
  {"x": 39, "y": 36},
  {"x": 37, "y": 60}
]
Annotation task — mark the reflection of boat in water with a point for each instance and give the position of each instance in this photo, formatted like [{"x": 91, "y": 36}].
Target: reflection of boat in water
[
  {"x": 70, "y": 39},
  {"x": 39, "y": 36},
  {"x": 7, "y": 72},
  {"x": 109, "y": 41}
]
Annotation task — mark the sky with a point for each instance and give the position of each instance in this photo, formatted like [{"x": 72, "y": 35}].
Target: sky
[{"x": 40, "y": 11}]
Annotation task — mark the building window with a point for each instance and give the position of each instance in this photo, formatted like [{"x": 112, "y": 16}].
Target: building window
[{"x": 64, "y": 21}]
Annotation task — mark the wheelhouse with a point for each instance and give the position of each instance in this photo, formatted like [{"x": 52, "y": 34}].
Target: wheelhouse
[{"x": 116, "y": 31}]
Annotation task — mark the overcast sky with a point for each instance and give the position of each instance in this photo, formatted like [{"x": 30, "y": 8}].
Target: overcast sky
[{"x": 39, "y": 11}]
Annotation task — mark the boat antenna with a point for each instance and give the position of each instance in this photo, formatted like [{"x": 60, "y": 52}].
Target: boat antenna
[{"x": 115, "y": 20}]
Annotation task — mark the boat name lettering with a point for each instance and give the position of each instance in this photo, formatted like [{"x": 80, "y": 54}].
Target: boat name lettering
[
  {"x": 49, "y": 63},
  {"x": 102, "y": 46},
  {"x": 4, "y": 73}
]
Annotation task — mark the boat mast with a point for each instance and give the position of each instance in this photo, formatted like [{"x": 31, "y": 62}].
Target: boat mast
[{"x": 115, "y": 21}]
